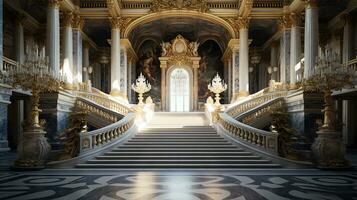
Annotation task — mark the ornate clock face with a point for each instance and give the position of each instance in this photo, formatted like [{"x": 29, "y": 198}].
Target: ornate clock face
[{"x": 179, "y": 47}]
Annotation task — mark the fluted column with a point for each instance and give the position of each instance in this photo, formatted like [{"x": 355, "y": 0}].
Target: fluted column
[
  {"x": 86, "y": 78},
  {"x": 20, "y": 49},
  {"x": 295, "y": 46},
  {"x": 115, "y": 58},
  {"x": 311, "y": 36},
  {"x": 285, "y": 49},
  {"x": 347, "y": 38},
  {"x": 68, "y": 50},
  {"x": 53, "y": 35},
  {"x": 232, "y": 56},
  {"x": 243, "y": 57}
]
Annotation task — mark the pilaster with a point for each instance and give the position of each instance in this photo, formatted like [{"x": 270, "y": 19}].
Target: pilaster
[
  {"x": 295, "y": 46},
  {"x": 77, "y": 25},
  {"x": 285, "y": 25},
  {"x": 68, "y": 69}
]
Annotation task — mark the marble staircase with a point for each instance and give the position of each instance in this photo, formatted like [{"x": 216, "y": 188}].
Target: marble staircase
[{"x": 178, "y": 144}]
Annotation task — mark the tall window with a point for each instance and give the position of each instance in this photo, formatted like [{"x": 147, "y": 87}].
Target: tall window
[{"x": 179, "y": 91}]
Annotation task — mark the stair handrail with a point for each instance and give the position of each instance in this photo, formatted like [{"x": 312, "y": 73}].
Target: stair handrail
[
  {"x": 256, "y": 113},
  {"x": 93, "y": 140},
  {"x": 253, "y": 102},
  {"x": 106, "y": 113},
  {"x": 268, "y": 141},
  {"x": 105, "y": 101}
]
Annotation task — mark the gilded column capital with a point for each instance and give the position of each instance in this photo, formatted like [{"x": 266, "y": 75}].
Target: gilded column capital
[
  {"x": 295, "y": 20},
  {"x": 345, "y": 17},
  {"x": 285, "y": 22},
  {"x": 310, "y": 3},
  {"x": 243, "y": 22},
  {"x": 54, "y": 3},
  {"x": 20, "y": 17},
  {"x": 86, "y": 44},
  {"x": 67, "y": 19},
  {"x": 77, "y": 21}
]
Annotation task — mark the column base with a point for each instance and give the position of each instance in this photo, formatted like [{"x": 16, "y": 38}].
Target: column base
[{"x": 329, "y": 150}]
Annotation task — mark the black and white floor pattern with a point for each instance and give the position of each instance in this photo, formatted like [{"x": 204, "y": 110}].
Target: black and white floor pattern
[{"x": 176, "y": 186}]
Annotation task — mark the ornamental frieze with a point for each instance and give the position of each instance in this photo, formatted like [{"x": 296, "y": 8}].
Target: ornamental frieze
[{"x": 160, "y": 5}]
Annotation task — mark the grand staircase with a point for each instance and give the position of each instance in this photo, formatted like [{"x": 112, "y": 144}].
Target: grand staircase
[{"x": 178, "y": 145}]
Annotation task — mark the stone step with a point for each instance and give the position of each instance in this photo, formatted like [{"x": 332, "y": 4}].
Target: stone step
[
  {"x": 197, "y": 146},
  {"x": 130, "y": 143},
  {"x": 176, "y": 140},
  {"x": 178, "y": 165},
  {"x": 177, "y": 157},
  {"x": 179, "y": 161},
  {"x": 176, "y": 153},
  {"x": 125, "y": 149}
]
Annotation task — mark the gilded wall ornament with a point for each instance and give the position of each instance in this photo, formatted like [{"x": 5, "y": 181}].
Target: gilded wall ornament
[
  {"x": 120, "y": 22},
  {"x": 160, "y": 5},
  {"x": 77, "y": 21},
  {"x": 179, "y": 50}
]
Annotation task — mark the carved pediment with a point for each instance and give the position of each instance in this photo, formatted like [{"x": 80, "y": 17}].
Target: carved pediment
[{"x": 160, "y": 5}]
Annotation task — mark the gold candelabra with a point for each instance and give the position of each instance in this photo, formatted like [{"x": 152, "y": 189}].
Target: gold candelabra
[
  {"x": 329, "y": 74},
  {"x": 141, "y": 86},
  {"x": 217, "y": 86},
  {"x": 35, "y": 76}
]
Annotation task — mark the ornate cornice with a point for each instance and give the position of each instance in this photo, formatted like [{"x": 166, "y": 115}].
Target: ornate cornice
[
  {"x": 160, "y": 5},
  {"x": 295, "y": 20}
]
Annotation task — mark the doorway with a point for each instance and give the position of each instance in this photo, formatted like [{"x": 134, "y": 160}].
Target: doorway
[{"x": 179, "y": 90}]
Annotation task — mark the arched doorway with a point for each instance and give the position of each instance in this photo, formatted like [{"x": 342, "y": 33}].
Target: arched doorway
[{"x": 179, "y": 90}]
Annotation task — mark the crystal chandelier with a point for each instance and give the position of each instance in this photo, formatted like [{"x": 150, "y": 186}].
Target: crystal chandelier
[
  {"x": 217, "y": 86},
  {"x": 141, "y": 86}
]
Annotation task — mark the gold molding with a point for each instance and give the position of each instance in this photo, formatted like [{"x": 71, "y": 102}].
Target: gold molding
[
  {"x": 77, "y": 22},
  {"x": 295, "y": 20},
  {"x": 67, "y": 19},
  {"x": 54, "y": 3},
  {"x": 310, "y": 4}
]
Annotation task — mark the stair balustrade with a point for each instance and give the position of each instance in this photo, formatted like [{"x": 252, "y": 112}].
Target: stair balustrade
[
  {"x": 265, "y": 140},
  {"x": 105, "y": 101},
  {"x": 96, "y": 139},
  {"x": 250, "y": 116},
  {"x": 352, "y": 64},
  {"x": 254, "y": 102}
]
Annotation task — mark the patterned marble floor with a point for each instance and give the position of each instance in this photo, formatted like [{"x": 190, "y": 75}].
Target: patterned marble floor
[{"x": 240, "y": 185}]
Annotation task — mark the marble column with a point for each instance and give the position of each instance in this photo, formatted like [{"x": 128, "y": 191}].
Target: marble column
[
  {"x": 163, "y": 66},
  {"x": 347, "y": 39},
  {"x": 196, "y": 65},
  {"x": 129, "y": 80},
  {"x": 311, "y": 36},
  {"x": 20, "y": 43},
  {"x": 115, "y": 57},
  {"x": 233, "y": 67},
  {"x": 123, "y": 72},
  {"x": 53, "y": 35},
  {"x": 68, "y": 50},
  {"x": 243, "y": 57},
  {"x": 86, "y": 78},
  {"x": 274, "y": 61},
  {"x": 285, "y": 50},
  {"x": 295, "y": 46},
  {"x": 77, "y": 25}
]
